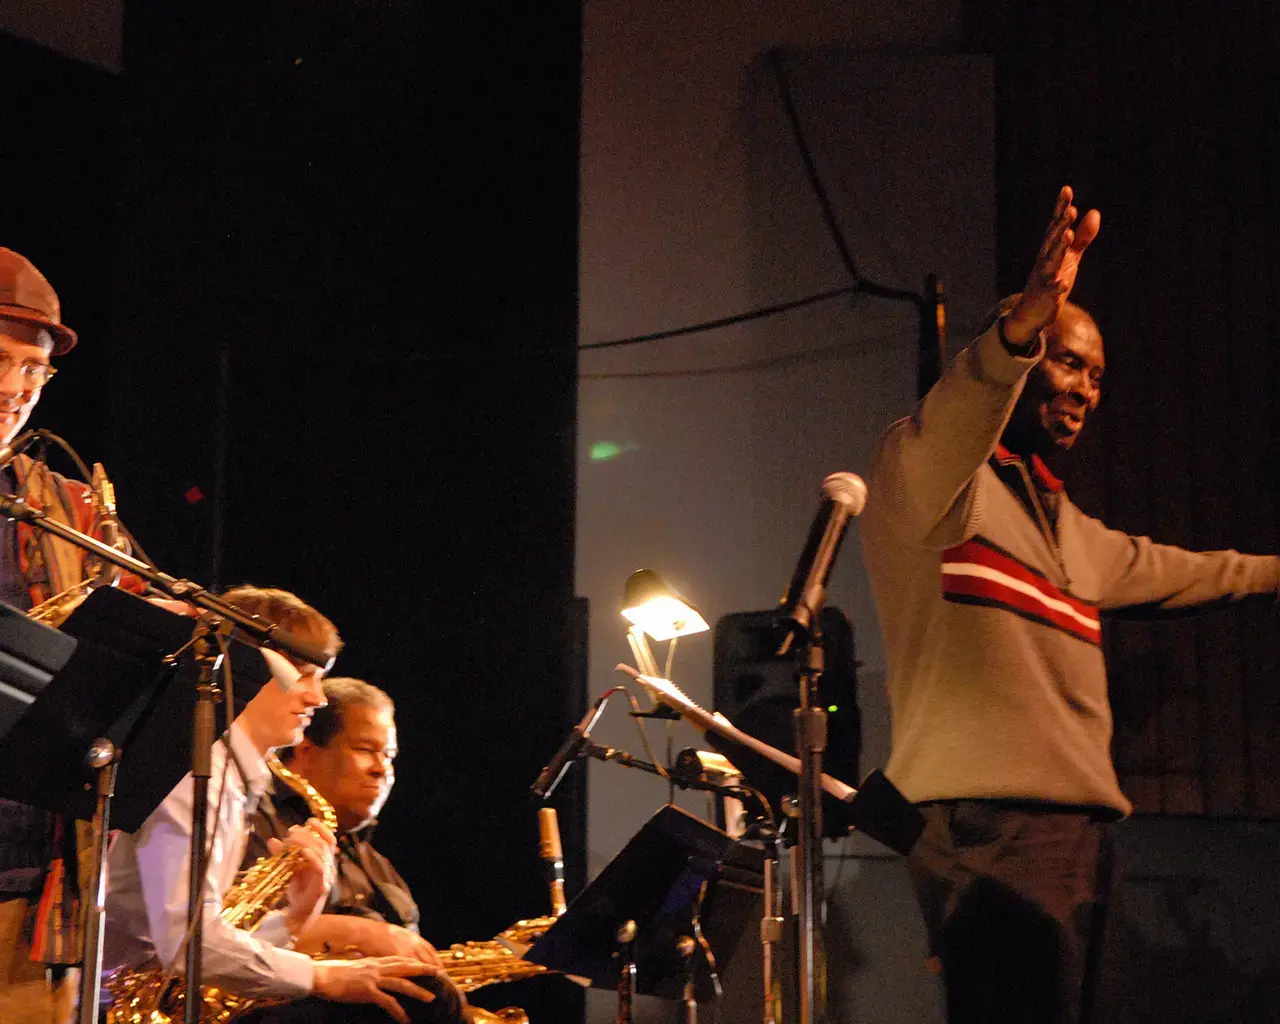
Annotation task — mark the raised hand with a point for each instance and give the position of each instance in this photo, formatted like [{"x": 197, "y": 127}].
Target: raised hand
[{"x": 1054, "y": 273}]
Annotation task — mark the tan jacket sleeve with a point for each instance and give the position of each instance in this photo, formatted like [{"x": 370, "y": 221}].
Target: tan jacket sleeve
[
  {"x": 922, "y": 471},
  {"x": 1142, "y": 579}
]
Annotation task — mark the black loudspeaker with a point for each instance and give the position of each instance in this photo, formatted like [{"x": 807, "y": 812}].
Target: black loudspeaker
[{"x": 757, "y": 691}]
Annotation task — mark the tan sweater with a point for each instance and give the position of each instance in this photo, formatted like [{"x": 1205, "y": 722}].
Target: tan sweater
[{"x": 991, "y": 617}]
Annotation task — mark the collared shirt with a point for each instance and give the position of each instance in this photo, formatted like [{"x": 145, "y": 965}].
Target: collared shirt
[
  {"x": 147, "y": 888},
  {"x": 365, "y": 885}
]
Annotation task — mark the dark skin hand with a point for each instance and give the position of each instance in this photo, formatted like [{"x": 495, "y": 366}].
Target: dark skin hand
[{"x": 1054, "y": 273}]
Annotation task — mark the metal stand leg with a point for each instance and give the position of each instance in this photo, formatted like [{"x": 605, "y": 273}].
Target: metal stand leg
[
  {"x": 104, "y": 759},
  {"x": 811, "y": 740},
  {"x": 686, "y": 947},
  {"x": 201, "y": 769},
  {"x": 771, "y": 933},
  {"x": 626, "y": 937}
]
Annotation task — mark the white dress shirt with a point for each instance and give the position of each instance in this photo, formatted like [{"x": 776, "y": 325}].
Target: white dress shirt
[{"x": 146, "y": 909}]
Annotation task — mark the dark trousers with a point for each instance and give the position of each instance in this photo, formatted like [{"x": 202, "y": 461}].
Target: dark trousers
[
  {"x": 1014, "y": 898},
  {"x": 445, "y": 1009}
]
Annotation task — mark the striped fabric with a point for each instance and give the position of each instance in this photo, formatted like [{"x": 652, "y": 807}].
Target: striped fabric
[
  {"x": 48, "y": 567},
  {"x": 979, "y": 572}
]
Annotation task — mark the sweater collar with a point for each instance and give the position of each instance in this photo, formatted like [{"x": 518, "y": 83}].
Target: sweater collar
[{"x": 1043, "y": 475}]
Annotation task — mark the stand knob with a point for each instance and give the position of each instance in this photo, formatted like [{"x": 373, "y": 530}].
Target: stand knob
[{"x": 101, "y": 753}]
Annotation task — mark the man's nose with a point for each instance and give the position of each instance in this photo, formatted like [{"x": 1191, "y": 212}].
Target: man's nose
[
  {"x": 313, "y": 689},
  {"x": 1087, "y": 389}
]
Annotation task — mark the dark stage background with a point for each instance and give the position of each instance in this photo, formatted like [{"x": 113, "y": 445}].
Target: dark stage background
[
  {"x": 323, "y": 260},
  {"x": 1166, "y": 116},
  {"x": 323, "y": 257}
]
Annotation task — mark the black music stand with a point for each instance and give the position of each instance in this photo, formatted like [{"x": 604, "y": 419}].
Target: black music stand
[
  {"x": 31, "y": 654},
  {"x": 624, "y": 930},
  {"x": 110, "y": 694}
]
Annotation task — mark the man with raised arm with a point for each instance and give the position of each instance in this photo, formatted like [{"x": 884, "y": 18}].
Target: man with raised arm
[{"x": 990, "y": 586}]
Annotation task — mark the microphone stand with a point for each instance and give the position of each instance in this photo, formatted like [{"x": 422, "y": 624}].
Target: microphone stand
[
  {"x": 810, "y": 720},
  {"x": 811, "y": 727},
  {"x": 202, "y": 732},
  {"x": 626, "y": 934},
  {"x": 247, "y": 628}
]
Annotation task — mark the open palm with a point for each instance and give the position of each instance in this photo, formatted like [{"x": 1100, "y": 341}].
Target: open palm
[{"x": 1053, "y": 275}]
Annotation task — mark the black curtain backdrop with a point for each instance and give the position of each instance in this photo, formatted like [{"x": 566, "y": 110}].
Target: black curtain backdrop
[
  {"x": 324, "y": 258},
  {"x": 1165, "y": 116},
  {"x": 56, "y": 173}
]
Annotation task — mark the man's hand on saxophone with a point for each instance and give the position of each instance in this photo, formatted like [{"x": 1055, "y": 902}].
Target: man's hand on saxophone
[
  {"x": 312, "y": 879},
  {"x": 371, "y": 980},
  {"x": 371, "y": 937}
]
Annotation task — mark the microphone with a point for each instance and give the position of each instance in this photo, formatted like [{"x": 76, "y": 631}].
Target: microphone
[
  {"x": 550, "y": 850},
  {"x": 843, "y": 495},
  {"x": 106, "y": 524},
  {"x": 14, "y": 448},
  {"x": 569, "y": 750}
]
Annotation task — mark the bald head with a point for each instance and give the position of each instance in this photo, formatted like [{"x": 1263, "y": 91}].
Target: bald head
[{"x": 1062, "y": 390}]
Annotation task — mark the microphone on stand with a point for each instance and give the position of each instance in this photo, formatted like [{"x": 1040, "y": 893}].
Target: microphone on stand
[
  {"x": 843, "y": 496},
  {"x": 16, "y": 447},
  {"x": 106, "y": 524},
  {"x": 549, "y": 850},
  {"x": 569, "y": 751}
]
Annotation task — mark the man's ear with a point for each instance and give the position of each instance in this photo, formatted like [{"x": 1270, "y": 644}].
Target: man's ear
[{"x": 303, "y": 754}]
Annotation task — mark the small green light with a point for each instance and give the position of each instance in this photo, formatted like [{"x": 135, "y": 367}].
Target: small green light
[
  {"x": 833, "y": 708},
  {"x": 604, "y": 451}
]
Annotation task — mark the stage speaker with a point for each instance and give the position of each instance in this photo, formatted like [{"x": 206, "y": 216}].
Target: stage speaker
[{"x": 757, "y": 691}]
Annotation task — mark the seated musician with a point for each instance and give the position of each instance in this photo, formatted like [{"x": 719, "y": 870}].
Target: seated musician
[
  {"x": 347, "y": 753},
  {"x": 149, "y": 869}
]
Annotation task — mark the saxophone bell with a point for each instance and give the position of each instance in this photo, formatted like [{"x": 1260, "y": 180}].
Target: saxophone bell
[
  {"x": 106, "y": 525},
  {"x": 97, "y": 572}
]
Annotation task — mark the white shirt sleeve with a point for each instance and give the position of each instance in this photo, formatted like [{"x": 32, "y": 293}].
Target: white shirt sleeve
[{"x": 254, "y": 964}]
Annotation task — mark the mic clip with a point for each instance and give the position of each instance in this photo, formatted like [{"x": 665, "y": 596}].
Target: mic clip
[{"x": 660, "y": 712}]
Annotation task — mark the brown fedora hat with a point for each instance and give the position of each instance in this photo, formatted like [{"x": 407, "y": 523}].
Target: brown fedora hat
[{"x": 27, "y": 297}]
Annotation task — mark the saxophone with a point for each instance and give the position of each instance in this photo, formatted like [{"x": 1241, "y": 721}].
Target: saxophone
[
  {"x": 98, "y": 572},
  {"x": 151, "y": 995}
]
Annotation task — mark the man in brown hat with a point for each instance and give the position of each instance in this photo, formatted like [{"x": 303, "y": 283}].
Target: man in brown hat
[{"x": 38, "y": 863}]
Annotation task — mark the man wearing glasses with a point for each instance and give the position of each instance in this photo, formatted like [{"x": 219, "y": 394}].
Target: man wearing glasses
[{"x": 38, "y": 863}]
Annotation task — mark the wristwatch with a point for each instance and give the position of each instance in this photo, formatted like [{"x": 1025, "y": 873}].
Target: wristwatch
[{"x": 1023, "y": 350}]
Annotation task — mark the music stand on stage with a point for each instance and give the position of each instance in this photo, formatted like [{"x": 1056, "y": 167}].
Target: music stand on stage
[
  {"x": 632, "y": 927},
  {"x": 73, "y": 700}
]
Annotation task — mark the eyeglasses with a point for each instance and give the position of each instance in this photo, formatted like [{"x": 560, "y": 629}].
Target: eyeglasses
[{"x": 34, "y": 375}]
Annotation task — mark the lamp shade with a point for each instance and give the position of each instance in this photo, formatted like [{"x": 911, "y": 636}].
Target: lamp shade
[{"x": 650, "y": 603}]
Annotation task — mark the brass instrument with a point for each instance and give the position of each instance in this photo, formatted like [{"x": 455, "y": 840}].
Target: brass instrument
[
  {"x": 472, "y": 965},
  {"x": 151, "y": 995},
  {"x": 98, "y": 572}
]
